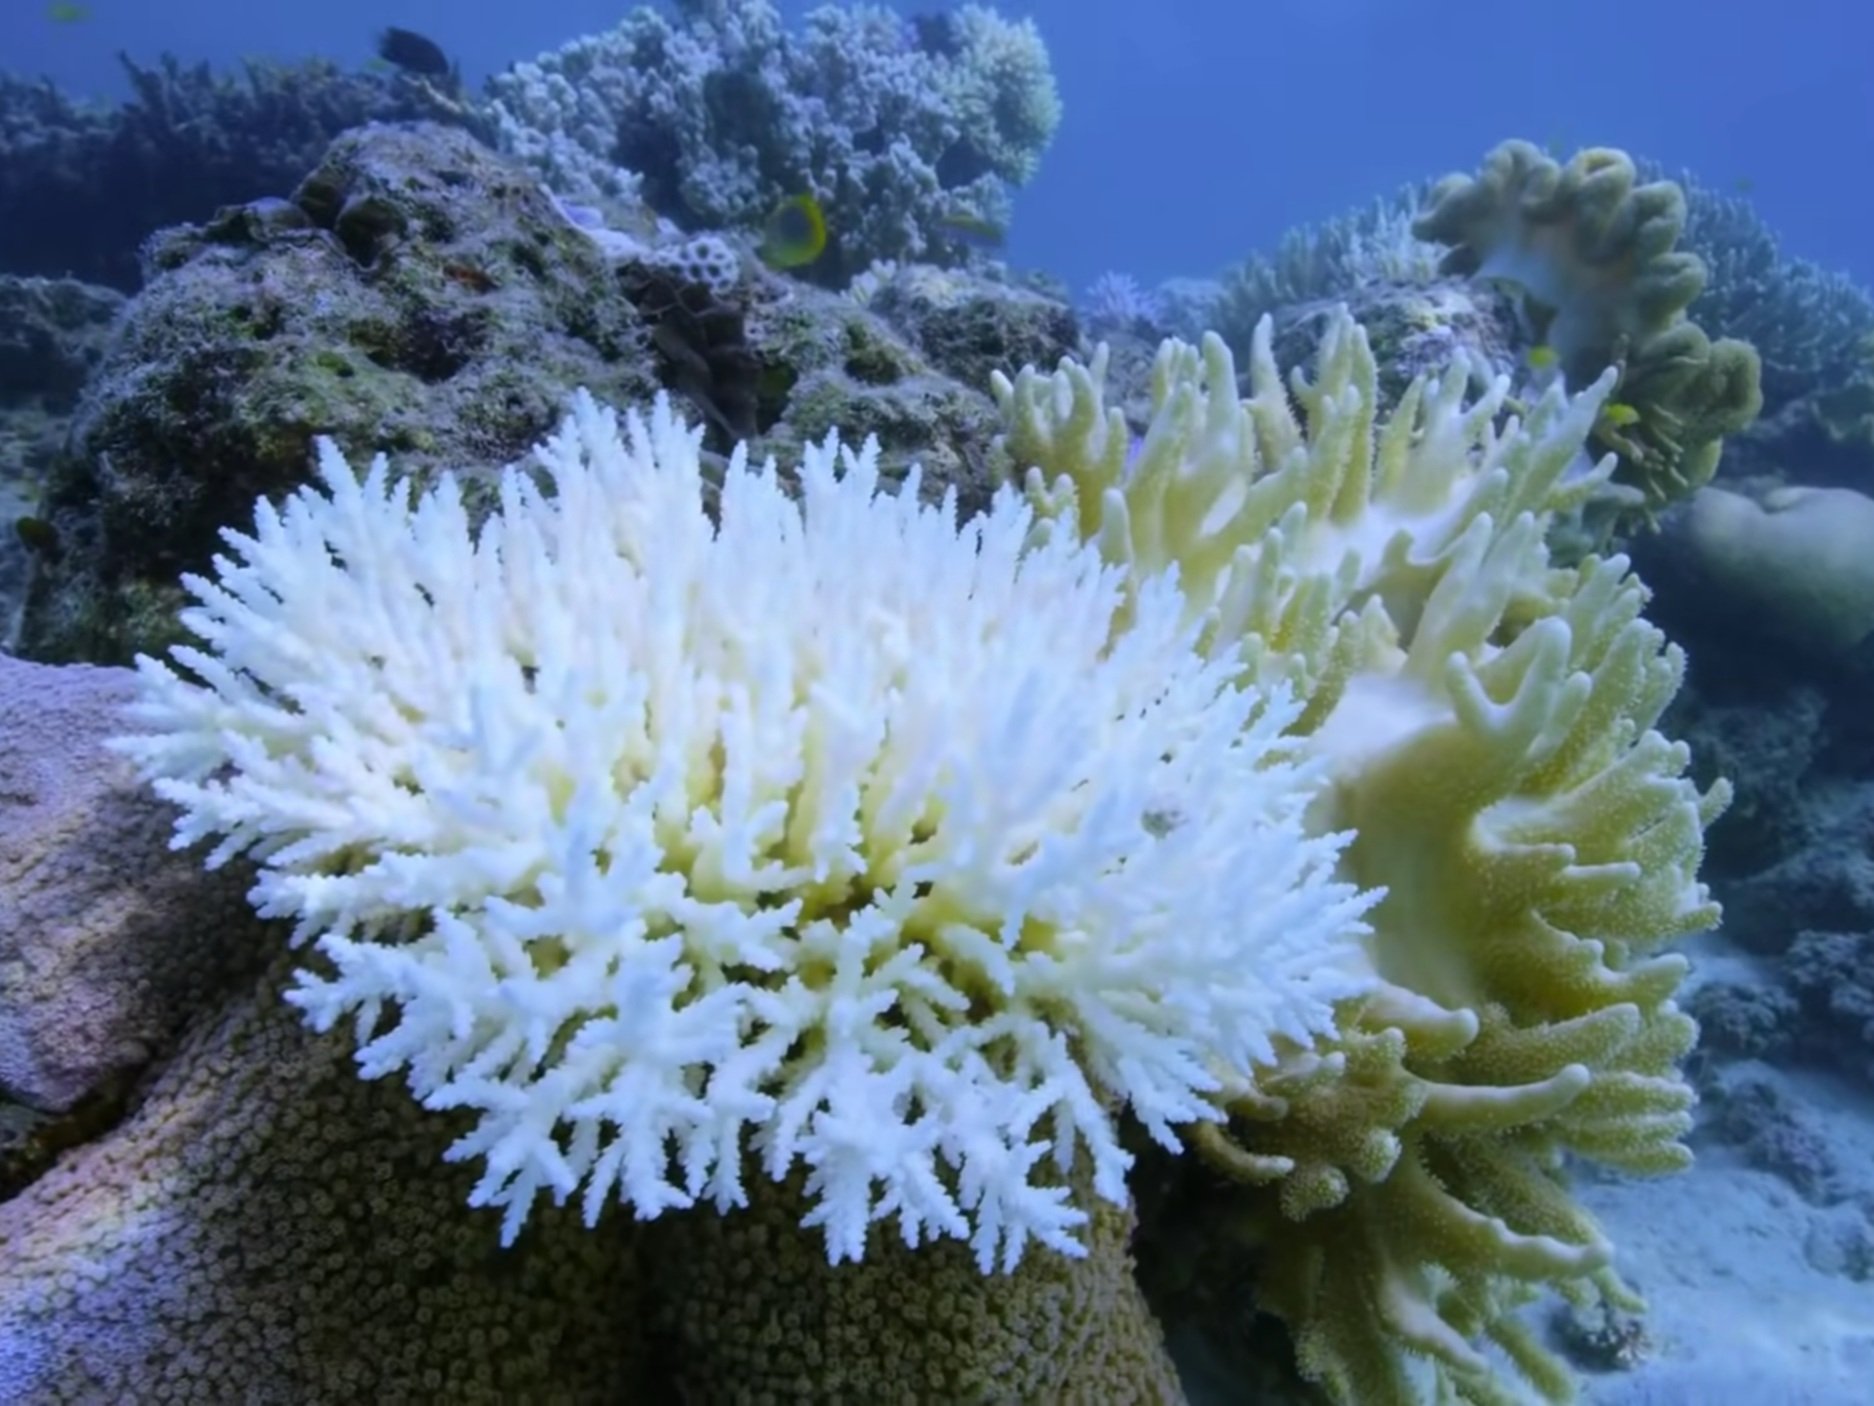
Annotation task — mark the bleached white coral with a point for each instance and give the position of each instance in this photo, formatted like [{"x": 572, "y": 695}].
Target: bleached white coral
[{"x": 835, "y": 833}]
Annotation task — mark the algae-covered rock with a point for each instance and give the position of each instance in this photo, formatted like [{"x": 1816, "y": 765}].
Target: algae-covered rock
[
  {"x": 417, "y": 295},
  {"x": 421, "y": 296},
  {"x": 52, "y": 333}
]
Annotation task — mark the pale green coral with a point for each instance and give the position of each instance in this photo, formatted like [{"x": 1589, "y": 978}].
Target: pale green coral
[
  {"x": 1491, "y": 723},
  {"x": 1592, "y": 249}
]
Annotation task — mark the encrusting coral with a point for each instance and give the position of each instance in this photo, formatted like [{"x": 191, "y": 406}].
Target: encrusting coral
[
  {"x": 1489, "y": 723},
  {"x": 1592, "y": 250},
  {"x": 264, "y": 1226}
]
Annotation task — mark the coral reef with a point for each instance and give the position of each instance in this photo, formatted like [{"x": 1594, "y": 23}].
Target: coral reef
[
  {"x": 415, "y": 292},
  {"x": 276, "y": 1228},
  {"x": 82, "y": 184},
  {"x": 1116, "y": 303},
  {"x": 420, "y": 294},
  {"x": 897, "y": 909},
  {"x": 915, "y": 952},
  {"x": 1792, "y": 568},
  {"x": 1810, "y": 326},
  {"x": 106, "y": 947},
  {"x": 904, "y": 131},
  {"x": 908, "y": 1324},
  {"x": 52, "y": 335},
  {"x": 264, "y": 1224},
  {"x": 1337, "y": 260}
]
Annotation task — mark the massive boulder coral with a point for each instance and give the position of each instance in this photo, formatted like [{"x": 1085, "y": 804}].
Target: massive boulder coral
[
  {"x": 104, "y": 952},
  {"x": 904, "y": 130},
  {"x": 1489, "y": 721},
  {"x": 263, "y": 1225}
]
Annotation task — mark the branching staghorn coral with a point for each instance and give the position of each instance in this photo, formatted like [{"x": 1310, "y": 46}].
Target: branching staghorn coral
[
  {"x": 1489, "y": 719},
  {"x": 830, "y": 836},
  {"x": 1372, "y": 244}
]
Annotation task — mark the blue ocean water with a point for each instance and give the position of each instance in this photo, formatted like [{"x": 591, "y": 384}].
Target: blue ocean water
[
  {"x": 1201, "y": 129},
  {"x": 202, "y": 274}
]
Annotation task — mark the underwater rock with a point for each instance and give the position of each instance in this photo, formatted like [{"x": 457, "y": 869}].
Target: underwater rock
[
  {"x": 52, "y": 333},
  {"x": 108, "y": 939},
  {"x": 969, "y": 327},
  {"x": 431, "y": 303}
]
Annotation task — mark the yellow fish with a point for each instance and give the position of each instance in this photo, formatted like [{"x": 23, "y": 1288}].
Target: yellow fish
[
  {"x": 972, "y": 229},
  {"x": 64, "y": 12},
  {"x": 1619, "y": 414},
  {"x": 1542, "y": 358},
  {"x": 795, "y": 233}
]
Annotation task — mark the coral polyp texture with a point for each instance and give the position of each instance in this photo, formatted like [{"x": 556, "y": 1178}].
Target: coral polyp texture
[
  {"x": 1488, "y": 719},
  {"x": 829, "y": 833}
]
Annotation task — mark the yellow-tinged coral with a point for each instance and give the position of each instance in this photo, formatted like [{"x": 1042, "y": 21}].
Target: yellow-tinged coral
[
  {"x": 1591, "y": 249},
  {"x": 1491, "y": 724},
  {"x": 1590, "y": 246}
]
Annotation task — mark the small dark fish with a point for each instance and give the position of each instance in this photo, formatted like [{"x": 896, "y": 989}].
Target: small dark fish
[
  {"x": 795, "y": 233},
  {"x": 413, "y": 53},
  {"x": 39, "y": 536}
]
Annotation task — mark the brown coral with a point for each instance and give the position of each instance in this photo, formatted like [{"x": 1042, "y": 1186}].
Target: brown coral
[
  {"x": 755, "y": 1314},
  {"x": 265, "y": 1226}
]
